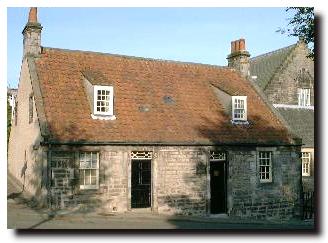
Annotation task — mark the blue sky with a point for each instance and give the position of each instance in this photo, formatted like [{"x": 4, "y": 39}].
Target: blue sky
[{"x": 201, "y": 35}]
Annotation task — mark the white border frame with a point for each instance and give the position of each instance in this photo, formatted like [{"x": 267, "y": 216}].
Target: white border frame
[
  {"x": 309, "y": 164},
  {"x": 111, "y": 100},
  {"x": 271, "y": 166},
  {"x": 233, "y": 99},
  {"x": 90, "y": 187}
]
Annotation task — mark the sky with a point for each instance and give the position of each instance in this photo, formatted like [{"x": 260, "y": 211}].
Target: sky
[{"x": 200, "y": 35}]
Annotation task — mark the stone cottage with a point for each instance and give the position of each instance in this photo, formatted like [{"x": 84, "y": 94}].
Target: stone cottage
[
  {"x": 286, "y": 77},
  {"x": 116, "y": 133}
]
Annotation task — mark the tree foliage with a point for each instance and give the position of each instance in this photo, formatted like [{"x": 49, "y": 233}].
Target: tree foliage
[{"x": 301, "y": 25}]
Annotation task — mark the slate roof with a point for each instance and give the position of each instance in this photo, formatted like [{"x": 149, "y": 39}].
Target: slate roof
[
  {"x": 264, "y": 66},
  {"x": 301, "y": 121},
  {"x": 194, "y": 114}
]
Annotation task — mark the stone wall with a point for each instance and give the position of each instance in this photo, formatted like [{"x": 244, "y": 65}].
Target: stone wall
[
  {"x": 248, "y": 197},
  {"x": 180, "y": 181},
  {"x": 25, "y": 157},
  {"x": 296, "y": 72}
]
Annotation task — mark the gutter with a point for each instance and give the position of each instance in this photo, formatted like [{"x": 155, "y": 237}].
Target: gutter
[{"x": 134, "y": 143}]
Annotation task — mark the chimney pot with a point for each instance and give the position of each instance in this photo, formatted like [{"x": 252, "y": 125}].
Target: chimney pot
[
  {"x": 33, "y": 15},
  {"x": 232, "y": 47},
  {"x": 236, "y": 46},
  {"x": 242, "y": 44}
]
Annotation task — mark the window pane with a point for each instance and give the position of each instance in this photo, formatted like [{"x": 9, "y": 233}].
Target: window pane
[
  {"x": 99, "y": 92},
  {"x": 93, "y": 180},
  {"x": 94, "y": 157},
  {"x": 88, "y": 157},
  {"x": 93, "y": 172},
  {"x": 87, "y": 177},
  {"x": 82, "y": 177}
]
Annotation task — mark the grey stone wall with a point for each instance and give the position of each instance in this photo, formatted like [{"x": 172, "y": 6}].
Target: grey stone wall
[
  {"x": 248, "y": 197},
  {"x": 296, "y": 72},
  {"x": 180, "y": 181}
]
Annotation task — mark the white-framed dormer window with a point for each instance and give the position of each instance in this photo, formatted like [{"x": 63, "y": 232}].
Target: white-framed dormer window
[
  {"x": 239, "y": 108},
  {"x": 89, "y": 170},
  {"x": 265, "y": 166},
  {"x": 304, "y": 97},
  {"x": 306, "y": 162},
  {"x": 103, "y": 100}
]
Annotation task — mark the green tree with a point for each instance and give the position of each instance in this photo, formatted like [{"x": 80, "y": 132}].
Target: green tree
[{"x": 301, "y": 25}]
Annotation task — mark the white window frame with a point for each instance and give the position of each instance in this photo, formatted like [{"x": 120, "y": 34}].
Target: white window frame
[
  {"x": 110, "y": 111},
  {"x": 306, "y": 163},
  {"x": 267, "y": 165},
  {"x": 83, "y": 169},
  {"x": 304, "y": 97},
  {"x": 235, "y": 99}
]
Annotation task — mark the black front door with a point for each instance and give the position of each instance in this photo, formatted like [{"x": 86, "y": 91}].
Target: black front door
[
  {"x": 141, "y": 184},
  {"x": 218, "y": 187}
]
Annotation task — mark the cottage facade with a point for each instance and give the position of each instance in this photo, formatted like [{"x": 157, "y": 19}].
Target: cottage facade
[{"x": 114, "y": 133}]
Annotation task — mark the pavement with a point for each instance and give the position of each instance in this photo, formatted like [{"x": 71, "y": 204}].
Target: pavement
[{"x": 23, "y": 214}]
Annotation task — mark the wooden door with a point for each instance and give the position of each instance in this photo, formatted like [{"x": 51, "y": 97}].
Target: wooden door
[
  {"x": 141, "y": 184},
  {"x": 218, "y": 187}
]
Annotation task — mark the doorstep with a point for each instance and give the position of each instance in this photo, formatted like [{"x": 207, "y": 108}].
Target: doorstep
[
  {"x": 141, "y": 210},
  {"x": 218, "y": 216}
]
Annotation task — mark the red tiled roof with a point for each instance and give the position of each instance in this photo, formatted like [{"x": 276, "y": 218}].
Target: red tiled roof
[{"x": 195, "y": 115}]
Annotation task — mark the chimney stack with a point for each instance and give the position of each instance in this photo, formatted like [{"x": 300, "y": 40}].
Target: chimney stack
[
  {"x": 32, "y": 35},
  {"x": 239, "y": 57}
]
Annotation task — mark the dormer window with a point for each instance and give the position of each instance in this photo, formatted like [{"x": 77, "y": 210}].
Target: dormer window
[
  {"x": 239, "y": 108},
  {"x": 304, "y": 97},
  {"x": 103, "y": 100}
]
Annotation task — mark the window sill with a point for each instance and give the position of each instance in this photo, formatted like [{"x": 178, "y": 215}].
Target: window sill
[
  {"x": 239, "y": 122},
  {"x": 89, "y": 188},
  {"x": 103, "y": 117},
  {"x": 266, "y": 182}
]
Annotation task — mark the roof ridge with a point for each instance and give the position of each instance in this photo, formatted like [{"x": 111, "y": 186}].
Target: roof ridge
[
  {"x": 139, "y": 58},
  {"x": 272, "y": 52}
]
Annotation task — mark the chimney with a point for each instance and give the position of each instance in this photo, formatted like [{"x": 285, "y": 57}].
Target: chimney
[
  {"x": 239, "y": 57},
  {"x": 32, "y": 35}
]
